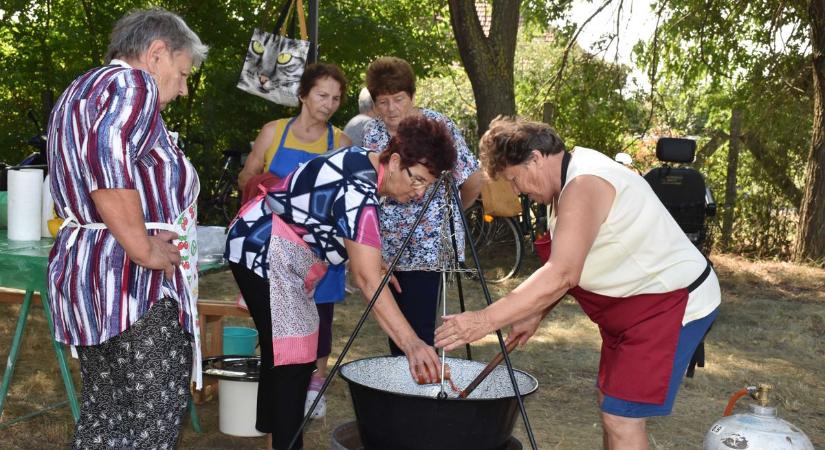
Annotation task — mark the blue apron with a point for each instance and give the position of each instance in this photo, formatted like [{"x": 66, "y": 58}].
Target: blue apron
[
  {"x": 331, "y": 288},
  {"x": 287, "y": 159}
]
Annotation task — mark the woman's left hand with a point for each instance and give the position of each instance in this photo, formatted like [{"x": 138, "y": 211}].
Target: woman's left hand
[{"x": 460, "y": 329}]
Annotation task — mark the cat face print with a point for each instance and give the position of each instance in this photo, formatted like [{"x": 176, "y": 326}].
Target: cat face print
[{"x": 273, "y": 67}]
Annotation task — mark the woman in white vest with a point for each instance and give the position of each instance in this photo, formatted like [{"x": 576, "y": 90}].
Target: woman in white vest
[{"x": 617, "y": 250}]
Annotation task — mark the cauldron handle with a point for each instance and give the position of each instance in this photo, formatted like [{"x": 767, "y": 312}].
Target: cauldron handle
[{"x": 486, "y": 371}]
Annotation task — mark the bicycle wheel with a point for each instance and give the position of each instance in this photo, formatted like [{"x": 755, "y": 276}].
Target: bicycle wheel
[
  {"x": 498, "y": 245},
  {"x": 228, "y": 202}
]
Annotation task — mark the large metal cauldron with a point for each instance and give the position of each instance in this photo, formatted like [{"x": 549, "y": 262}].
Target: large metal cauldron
[{"x": 394, "y": 412}]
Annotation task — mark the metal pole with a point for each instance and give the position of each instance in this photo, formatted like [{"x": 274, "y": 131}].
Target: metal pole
[
  {"x": 313, "y": 32},
  {"x": 457, "y": 262}
]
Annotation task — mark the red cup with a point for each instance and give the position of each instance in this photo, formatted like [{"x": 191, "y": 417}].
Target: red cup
[{"x": 542, "y": 246}]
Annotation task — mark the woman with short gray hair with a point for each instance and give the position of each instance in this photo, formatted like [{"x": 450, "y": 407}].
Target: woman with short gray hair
[
  {"x": 123, "y": 271},
  {"x": 134, "y": 32}
]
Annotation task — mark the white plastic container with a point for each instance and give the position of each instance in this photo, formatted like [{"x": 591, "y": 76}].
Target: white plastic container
[
  {"x": 238, "y": 404},
  {"x": 237, "y": 392},
  {"x": 24, "y": 203}
]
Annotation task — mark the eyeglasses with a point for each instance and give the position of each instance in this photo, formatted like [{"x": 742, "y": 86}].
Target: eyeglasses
[{"x": 415, "y": 180}]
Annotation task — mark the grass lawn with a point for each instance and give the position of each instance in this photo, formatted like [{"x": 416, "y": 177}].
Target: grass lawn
[{"x": 771, "y": 329}]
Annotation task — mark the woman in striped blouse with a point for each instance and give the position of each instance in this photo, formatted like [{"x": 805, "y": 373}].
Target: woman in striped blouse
[{"x": 123, "y": 296}]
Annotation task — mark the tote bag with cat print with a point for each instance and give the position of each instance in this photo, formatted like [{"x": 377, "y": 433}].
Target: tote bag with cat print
[{"x": 275, "y": 62}]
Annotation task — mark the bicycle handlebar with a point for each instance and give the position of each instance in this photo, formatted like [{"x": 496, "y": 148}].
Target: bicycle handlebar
[{"x": 235, "y": 152}]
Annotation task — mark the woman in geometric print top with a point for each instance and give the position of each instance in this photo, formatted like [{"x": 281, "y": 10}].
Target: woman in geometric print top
[
  {"x": 326, "y": 212},
  {"x": 280, "y": 147},
  {"x": 124, "y": 296}
]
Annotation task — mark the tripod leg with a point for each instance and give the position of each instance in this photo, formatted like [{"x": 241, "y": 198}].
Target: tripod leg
[
  {"x": 458, "y": 276},
  {"x": 485, "y": 289}
]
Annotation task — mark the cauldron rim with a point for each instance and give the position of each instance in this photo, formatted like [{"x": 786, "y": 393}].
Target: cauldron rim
[{"x": 449, "y": 398}]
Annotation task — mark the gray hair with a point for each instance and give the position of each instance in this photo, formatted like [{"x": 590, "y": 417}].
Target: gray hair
[
  {"x": 365, "y": 103},
  {"x": 135, "y": 32}
]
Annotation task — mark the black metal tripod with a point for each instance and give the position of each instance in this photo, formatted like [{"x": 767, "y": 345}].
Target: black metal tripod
[{"x": 453, "y": 199}]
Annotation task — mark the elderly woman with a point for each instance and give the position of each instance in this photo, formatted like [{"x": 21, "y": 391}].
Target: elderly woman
[
  {"x": 326, "y": 212},
  {"x": 366, "y": 112},
  {"x": 284, "y": 143},
  {"x": 125, "y": 297},
  {"x": 280, "y": 147},
  {"x": 614, "y": 248},
  {"x": 391, "y": 82}
]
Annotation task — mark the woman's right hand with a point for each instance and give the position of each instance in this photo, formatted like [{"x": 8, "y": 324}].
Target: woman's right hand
[
  {"x": 163, "y": 255},
  {"x": 425, "y": 367},
  {"x": 522, "y": 330}
]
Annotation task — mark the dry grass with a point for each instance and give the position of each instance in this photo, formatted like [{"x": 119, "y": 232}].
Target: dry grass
[{"x": 771, "y": 329}]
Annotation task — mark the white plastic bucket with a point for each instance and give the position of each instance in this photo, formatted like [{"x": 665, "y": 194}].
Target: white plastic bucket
[
  {"x": 238, "y": 403},
  {"x": 237, "y": 392}
]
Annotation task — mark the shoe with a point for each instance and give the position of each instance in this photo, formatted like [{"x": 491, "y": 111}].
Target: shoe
[
  {"x": 320, "y": 410},
  {"x": 350, "y": 289}
]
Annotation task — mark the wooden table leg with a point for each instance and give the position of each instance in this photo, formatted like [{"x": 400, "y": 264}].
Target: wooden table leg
[{"x": 212, "y": 342}]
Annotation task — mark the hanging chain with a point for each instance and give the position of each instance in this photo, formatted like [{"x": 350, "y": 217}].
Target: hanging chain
[{"x": 446, "y": 259}]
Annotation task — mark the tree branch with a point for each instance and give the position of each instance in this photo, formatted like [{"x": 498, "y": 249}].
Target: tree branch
[
  {"x": 554, "y": 82},
  {"x": 775, "y": 171}
]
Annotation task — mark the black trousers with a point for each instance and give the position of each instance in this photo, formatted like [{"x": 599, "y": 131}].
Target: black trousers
[
  {"x": 136, "y": 385},
  {"x": 418, "y": 301},
  {"x": 282, "y": 390}
]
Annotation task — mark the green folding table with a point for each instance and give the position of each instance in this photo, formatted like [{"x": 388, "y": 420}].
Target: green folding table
[{"x": 23, "y": 265}]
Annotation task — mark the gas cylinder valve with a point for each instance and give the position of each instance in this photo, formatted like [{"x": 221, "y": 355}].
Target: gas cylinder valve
[{"x": 758, "y": 429}]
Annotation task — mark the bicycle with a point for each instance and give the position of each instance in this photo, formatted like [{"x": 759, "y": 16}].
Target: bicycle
[
  {"x": 226, "y": 196},
  {"x": 497, "y": 241},
  {"x": 501, "y": 241}
]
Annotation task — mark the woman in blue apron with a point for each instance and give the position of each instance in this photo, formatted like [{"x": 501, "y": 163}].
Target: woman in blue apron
[{"x": 283, "y": 145}]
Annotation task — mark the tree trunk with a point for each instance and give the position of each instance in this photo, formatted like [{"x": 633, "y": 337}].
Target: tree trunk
[
  {"x": 810, "y": 238},
  {"x": 730, "y": 181},
  {"x": 488, "y": 60}
]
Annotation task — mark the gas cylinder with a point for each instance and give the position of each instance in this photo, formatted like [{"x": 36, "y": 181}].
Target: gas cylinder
[{"x": 758, "y": 429}]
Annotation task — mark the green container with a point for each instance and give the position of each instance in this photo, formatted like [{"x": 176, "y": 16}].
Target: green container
[
  {"x": 239, "y": 340},
  {"x": 4, "y": 209}
]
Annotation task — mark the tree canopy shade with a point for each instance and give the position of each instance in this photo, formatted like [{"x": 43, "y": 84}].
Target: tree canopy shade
[
  {"x": 708, "y": 59},
  {"x": 45, "y": 44}
]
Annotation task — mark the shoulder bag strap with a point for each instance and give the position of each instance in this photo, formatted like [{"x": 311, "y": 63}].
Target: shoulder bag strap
[
  {"x": 283, "y": 18},
  {"x": 302, "y": 24}
]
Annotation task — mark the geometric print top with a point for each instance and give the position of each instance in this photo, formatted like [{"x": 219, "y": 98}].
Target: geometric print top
[
  {"x": 106, "y": 132},
  {"x": 397, "y": 219},
  {"x": 330, "y": 198}
]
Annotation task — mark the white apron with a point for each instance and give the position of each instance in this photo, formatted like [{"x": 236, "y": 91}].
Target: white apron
[{"x": 185, "y": 226}]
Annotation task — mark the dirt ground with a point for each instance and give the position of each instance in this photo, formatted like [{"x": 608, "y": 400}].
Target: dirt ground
[{"x": 771, "y": 329}]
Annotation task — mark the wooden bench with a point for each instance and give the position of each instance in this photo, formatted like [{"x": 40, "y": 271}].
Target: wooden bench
[{"x": 16, "y": 296}]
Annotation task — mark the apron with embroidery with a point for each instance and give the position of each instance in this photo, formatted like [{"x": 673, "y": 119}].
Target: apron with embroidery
[{"x": 185, "y": 226}]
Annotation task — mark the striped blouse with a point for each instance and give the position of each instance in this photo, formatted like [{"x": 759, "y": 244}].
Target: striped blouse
[{"x": 105, "y": 132}]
